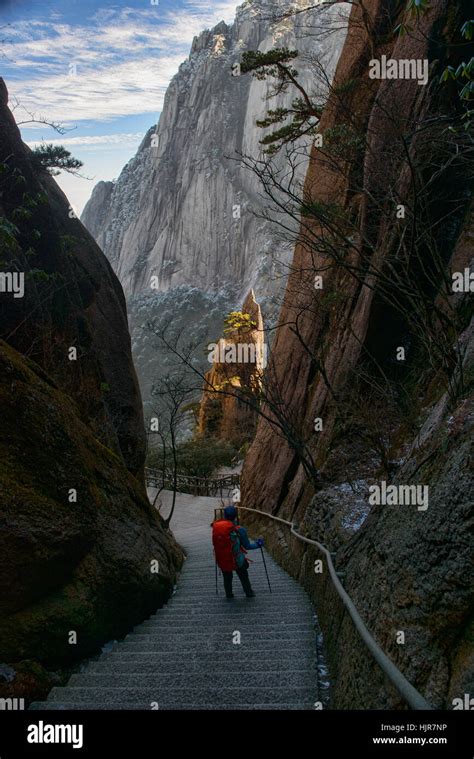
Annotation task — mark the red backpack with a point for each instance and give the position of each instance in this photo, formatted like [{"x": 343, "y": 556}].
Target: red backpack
[{"x": 230, "y": 554}]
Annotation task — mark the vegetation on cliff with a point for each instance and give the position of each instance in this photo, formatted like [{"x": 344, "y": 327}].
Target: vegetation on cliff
[{"x": 373, "y": 357}]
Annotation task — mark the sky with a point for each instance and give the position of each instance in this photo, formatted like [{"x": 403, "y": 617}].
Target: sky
[{"x": 98, "y": 68}]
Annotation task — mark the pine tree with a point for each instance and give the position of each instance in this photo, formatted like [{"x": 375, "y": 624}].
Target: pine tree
[
  {"x": 54, "y": 159},
  {"x": 302, "y": 116}
]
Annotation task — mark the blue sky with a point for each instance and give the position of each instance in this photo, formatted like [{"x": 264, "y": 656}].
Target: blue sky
[{"x": 99, "y": 68}]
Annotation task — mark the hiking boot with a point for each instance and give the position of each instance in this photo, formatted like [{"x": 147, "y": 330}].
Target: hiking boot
[
  {"x": 251, "y": 594},
  {"x": 229, "y": 598}
]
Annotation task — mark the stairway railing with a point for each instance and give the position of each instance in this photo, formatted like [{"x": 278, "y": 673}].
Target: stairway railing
[
  {"x": 205, "y": 486},
  {"x": 408, "y": 692},
  {"x": 397, "y": 678}
]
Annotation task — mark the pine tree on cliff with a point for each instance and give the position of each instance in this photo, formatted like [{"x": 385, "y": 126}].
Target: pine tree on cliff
[
  {"x": 54, "y": 159},
  {"x": 302, "y": 117}
]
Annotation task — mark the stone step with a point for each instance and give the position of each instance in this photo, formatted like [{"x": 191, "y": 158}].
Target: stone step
[
  {"x": 178, "y": 626},
  {"x": 213, "y": 604},
  {"x": 228, "y": 611},
  {"x": 198, "y": 680},
  {"x": 182, "y": 665},
  {"x": 202, "y": 584},
  {"x": 225, "y": 695},
  {"x": 248, "y": 642},
  {"x": 263, "y": 600},
  {"x": 205, "y": 593},
  {"x": 255, "y": 568},
  {"x": 170, "y": 706},
  {"x": 196, "y": 570},
  {"x": 173, "y": 625},
  {"x": 208, "y": 619},
  {"x": 185, "y": 621},
  {"x": 219, "y": 604},
  {"x": 204, "y": 562},
  {"x": 294, "y": 651},
  {"x": 261, "y": 603},
  {"x": 262, "y": 593},
  {"x": 179, "y": 637}
]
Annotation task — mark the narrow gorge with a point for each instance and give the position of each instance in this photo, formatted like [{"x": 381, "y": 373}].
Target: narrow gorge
[{"x": 265, "y": 320}]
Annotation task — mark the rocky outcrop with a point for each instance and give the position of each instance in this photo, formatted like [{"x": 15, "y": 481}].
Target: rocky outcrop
[
  {"x": 72, "y": 300},
  {"x": 69, "y": 562},
  {"x": 232, "y": 385},
  {"x": 182, "y": 208},
  {"x": 77, "y": 534},
  {"x": 406, "y": 569},
  {"x": 96, "y": 214}
]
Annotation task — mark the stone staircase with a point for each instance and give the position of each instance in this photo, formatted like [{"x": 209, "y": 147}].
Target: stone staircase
[{"x": 187, "y": 655}]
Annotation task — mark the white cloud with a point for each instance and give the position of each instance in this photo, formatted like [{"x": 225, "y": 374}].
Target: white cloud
[
  {"x": 123, "y": 59},
  {"x": 120, "y": 140}
]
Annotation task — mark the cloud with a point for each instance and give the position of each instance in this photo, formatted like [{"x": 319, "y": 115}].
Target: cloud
[
  {"x": 115, "y": 140},
  {"x": 117, "y": 63}
]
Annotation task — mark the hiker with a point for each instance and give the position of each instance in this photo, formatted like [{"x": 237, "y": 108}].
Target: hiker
[{"x": 231, "y": 543}]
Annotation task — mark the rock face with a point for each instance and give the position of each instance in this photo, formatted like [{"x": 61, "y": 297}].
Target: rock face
[
  {"x": 406, "y": 569},
  {"x": 182, "y": 210},
  {"x": 195, "y": 313},
  {"x": 96, "y": 215},
  {"x": 72, "y": 300},
  {"x": 76, "y": 531},
  {"x": 173, "y": 211},
  {"x": 234, "y": 380}
]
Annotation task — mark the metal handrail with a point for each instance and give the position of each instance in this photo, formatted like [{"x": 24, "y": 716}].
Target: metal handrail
[{"x": 397, "y": 678}]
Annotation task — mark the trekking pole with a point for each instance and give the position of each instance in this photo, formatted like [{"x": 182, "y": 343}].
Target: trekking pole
[{"x": 265, "y": 565}]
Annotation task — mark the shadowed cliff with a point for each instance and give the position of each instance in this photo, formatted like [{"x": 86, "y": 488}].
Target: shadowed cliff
[
  {"x": 407, "y": 570},
  {"x": 77, "y": 534}
]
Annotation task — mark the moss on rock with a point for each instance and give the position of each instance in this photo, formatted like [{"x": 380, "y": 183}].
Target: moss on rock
[{"x": 68, "y": 566}]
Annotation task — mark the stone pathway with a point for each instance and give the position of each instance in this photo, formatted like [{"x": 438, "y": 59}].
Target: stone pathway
[{"x": 187, "y": 655}]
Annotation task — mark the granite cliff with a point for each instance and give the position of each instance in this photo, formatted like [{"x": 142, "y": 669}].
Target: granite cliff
[
  {"x": 182, "y": 210},
  {"x": 77, "y": 533},
  {"x": 360, "y": 376}
]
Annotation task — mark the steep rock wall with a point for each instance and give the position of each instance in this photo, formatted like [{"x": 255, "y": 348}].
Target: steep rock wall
[
  {"x": 77, "y": 533},
  {"x": 182, "y": 210},
  {"x": 170, "y": 213},
  {"x": 401, "y": 564},
  {"x": 72, "y": 299}
]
